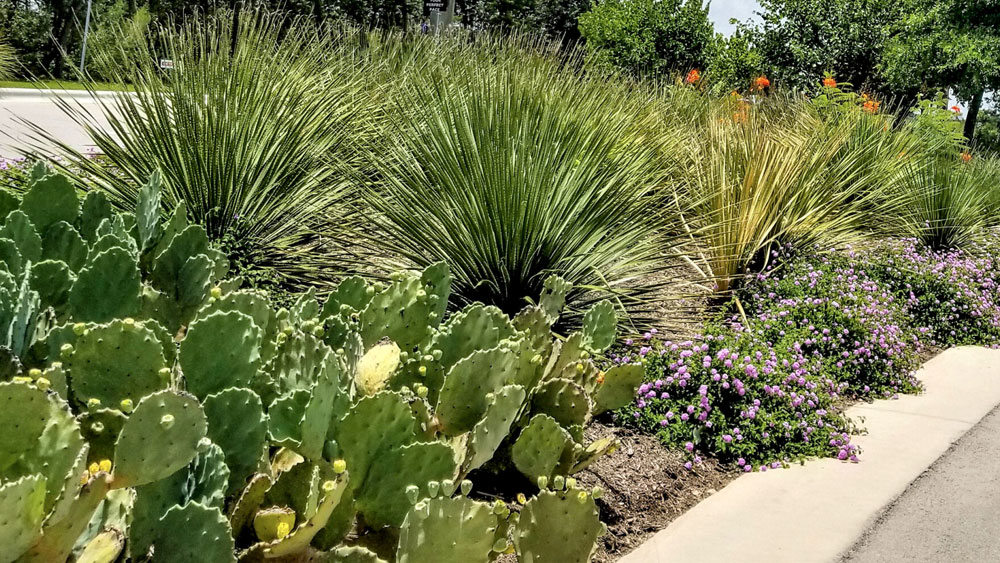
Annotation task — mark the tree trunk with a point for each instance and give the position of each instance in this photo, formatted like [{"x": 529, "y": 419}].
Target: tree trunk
[{"x": 970, "y": 118}]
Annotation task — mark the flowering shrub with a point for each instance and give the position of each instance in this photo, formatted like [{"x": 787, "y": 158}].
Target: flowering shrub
[{"x": 768, "y": 388}]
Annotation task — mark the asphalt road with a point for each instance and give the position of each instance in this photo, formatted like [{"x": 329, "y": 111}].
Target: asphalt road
[
  {"x": 951, "y": 514},
  {"x": 41, "y": 109}
]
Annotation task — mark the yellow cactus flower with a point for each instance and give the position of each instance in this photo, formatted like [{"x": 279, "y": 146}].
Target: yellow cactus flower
[
  {"x": 94, "y": 468},
  {"x": 105, "y": 465},
  {"x": 283, "y": 530}
]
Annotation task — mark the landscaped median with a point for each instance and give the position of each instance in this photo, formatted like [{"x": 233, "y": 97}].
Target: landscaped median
[{"x": 817, "y": 511}]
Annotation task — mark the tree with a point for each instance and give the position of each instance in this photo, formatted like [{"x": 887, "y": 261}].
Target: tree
[
  {"x": 943, "y": 44},
  {"x": 802, "y": 40},
  {"x": 649, "y": 37}
]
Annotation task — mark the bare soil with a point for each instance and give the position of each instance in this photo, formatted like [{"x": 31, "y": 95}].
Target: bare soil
[{"x": 645, "y": 488}]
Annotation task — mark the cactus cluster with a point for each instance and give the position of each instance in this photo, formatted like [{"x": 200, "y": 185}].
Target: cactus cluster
[{"x": 154, "y": 409}]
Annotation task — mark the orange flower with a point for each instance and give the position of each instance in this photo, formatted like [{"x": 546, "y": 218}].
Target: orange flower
[
  {"x": 761, "y": 82},
  {"x": 829, "y": 82},
  {"x": 740, "y": 117},
  {"x": 966, "y": 157},
  {"x": 694, "y": 75},
  {"x": 956, "y": 109},
  {"x": 871, "y": 106}
]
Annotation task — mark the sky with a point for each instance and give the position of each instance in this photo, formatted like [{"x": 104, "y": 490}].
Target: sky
[{"x": 721, "y": 11}]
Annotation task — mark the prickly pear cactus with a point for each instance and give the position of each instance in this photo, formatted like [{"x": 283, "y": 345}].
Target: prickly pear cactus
[{"x": 558, "y": 526}]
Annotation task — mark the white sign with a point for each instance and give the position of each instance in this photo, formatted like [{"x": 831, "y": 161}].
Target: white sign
[{"x": 166, "y": 63}]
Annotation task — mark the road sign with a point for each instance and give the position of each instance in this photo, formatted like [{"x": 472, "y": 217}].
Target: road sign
[{"x": 167, "y": 64}]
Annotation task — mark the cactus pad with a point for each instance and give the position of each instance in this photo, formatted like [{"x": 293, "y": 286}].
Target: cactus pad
[
  {"x": 477, "y": 327},
  {"x": 220, "y": 351},
  {"x": 236, "y": 422},
  {"x": 563, "y": 400},
  {"x": 491, "y": 431},
  {"x": 600, "y": 326},
  {"x": 558, "y": 527},
  {"x": 116, "y": 361},
  {"x": 18, "y": 228},
  {"x": 194, "y": 532},
  {"x": 618, "y": 388},
  {"x": 553, "y": 297},
  {"x": 22, "y": 507},
  {"x": 52, "y": 281},
  {"x": 160, "y": 437},
  {"x": 539, "y": 449},
  {"x": 49, "y": 200},
  {"x": 62, "y": 242},
  {"x": 463, "y": 399},
  {"x": 382, "y": 498},
  {"x": 459, "y": 527},
  {"x": 108, "y": 287}
]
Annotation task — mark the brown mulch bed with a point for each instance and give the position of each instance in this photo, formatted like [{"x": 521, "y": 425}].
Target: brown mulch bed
[{"x": 645, "y": 488}]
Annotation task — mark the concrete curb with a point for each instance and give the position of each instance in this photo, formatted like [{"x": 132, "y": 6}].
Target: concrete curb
[
  {"x": 816, "y": 512},
  {"x": 40, "y": 94}
]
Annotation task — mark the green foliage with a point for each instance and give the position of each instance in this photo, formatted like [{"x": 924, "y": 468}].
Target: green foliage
[
  {"x": 647, "y": 37},
  {"x": 569, "y": 198},
  {"x": 8, "y": 60},
  {"x": 117, "y": 41},
  {"x": 131, "y": 437}
]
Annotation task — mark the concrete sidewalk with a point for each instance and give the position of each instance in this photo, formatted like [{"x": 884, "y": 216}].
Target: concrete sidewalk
[
  {"x": 20, "y": 105},
  {"x": 817, "y": 512}
]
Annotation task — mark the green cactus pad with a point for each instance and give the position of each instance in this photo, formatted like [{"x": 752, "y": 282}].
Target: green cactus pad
[
  {"x": 539, "y": 449},
  {"x": 352, "y": 554},
  {"x": 296, "y": 365},
  {"x": 267, "y": 521},
  {"x": 553, "y": 297},
  {"x": 8, "y": 202},
  {"x": 114, "y": 362},
  {"x": 463, "y": 399},
  {"x": 59, "y": 535},
  {"x": 563, "y": 400},
  {"x": 534, "y": 323},
  {"x": 62, "y": 242},
  {"x": 103, "y": 548},
  {"x": 284, "y": 417},
  {"x": 194, "y": 532},
  {"x": 167, "y": 266},
  {"x": 477, "y": 327},
  {"x": 147, "y": 212},
  {"x": 299, "y": 539},
  {"x": 11, "y": 257},
  {"x": 108, "y": 287},
  {"x": 236, "y": 422},
  {"x": 491, "y": 431},
  {"x": 22, "y": 508},
  {"x": 376, "y": 367},
  {"x": 326, "y": 396},
  {"x": 556, "y": 527},
  {"x": 18, "y": 228},
  {"x": 101, "y": 428},
  {"x": 397, "y": 313},
  {"x": 374, "y": 425},
  {"x": 253, "y": 304},
  {"x": 382, "y": 497},
  {"x": 42, "y": 437},
  {"x": 592, "y": 453},
  {"x": 220, "y": 351},
  {"x": 600, "y": 326},
  {"x": 459, "y": 527},
  {"x": 49, "y": 200},
  {"x": 619, "y": 387},
  {"x": 52, "y": 281},
  {"x": 95, "y": 209},
  {"x": 19, "y": 334},
  {"x": 436, "y": 279},
  {"x": 160, "y": 437},
  {"x": 352, "y": 293}
]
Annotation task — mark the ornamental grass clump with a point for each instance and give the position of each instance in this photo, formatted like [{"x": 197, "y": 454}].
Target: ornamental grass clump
[
  {"x": 517, "y": 170},
  {"x": 249, "y": 130}
]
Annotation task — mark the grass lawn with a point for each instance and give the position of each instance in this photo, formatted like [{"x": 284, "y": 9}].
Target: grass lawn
[{"x": 57, "y": 84}]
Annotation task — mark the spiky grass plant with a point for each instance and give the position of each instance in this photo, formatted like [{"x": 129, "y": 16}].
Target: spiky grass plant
[
  {"x": 775, "y": 173},
  {"x": 250, "y": 130},
  {"x": 516, "y": 170},
  {"x": 947, "y": 203},
  {"x": 8, "y": 61}
]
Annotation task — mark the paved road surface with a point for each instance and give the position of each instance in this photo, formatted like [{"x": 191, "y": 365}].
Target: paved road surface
[
  {"x": 39, "y": 108},
  {"x": 951, "y": 514}
]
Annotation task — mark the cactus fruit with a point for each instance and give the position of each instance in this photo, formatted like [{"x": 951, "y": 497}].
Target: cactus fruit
[
  {"x": 220, "y": 351},
  {"x": 151, "y": 446},
  {"x": 459, "y": 527},
  {"x": 558, "y": 527},
  {"x": 273, "y": 523}
]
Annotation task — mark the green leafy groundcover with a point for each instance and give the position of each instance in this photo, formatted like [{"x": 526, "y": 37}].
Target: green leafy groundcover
[
  {"x": 152, "y": 409},
  {"x": 768, "y": 389}
]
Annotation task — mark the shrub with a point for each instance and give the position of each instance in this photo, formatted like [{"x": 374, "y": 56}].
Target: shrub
[
  {"x": 246, "y": 129},
  {"x": 767, "y": 388},
  {"x": 518, "y": 171},
  {"x": 648, "y": 38},
  {"x": 171, "y": 396},
  {"x": 8, "y": 62},
  {"x": 118, "y": 41},
  {"x": 945, "y": 204}
]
